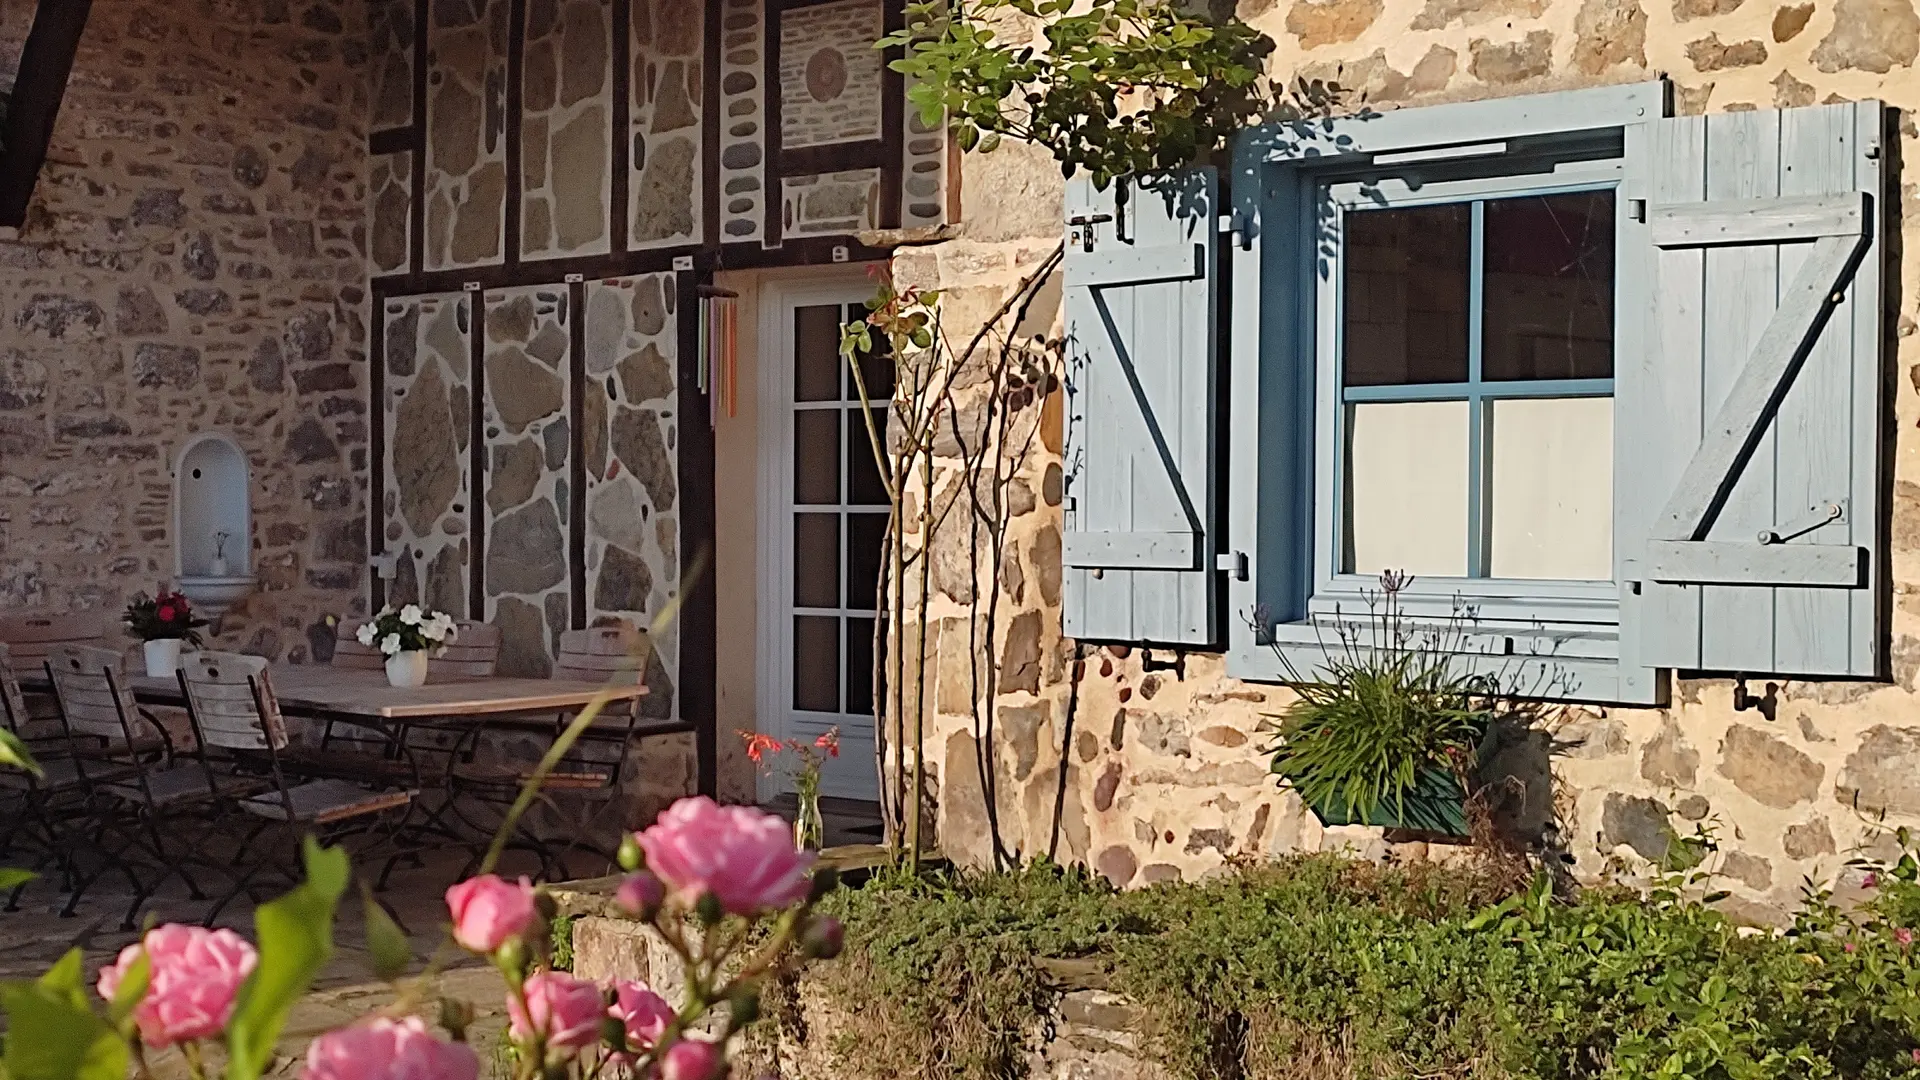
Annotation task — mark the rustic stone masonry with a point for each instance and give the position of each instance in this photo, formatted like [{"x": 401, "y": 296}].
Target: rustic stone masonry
[
  {"x": 1156, "y": 772},
  {"x": 193, "y": 260},
  {"x": 1090, "y": 1031}
]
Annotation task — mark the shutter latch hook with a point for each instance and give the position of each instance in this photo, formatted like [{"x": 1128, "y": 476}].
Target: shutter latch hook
[{"x": 1083, "y": 228}]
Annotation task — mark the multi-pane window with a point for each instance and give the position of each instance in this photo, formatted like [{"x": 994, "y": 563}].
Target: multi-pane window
[
  {"x": 839, "y": 518},
  {"x": 1474, "y": 365}
]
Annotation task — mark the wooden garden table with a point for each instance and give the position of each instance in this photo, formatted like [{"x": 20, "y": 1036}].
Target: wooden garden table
[{"x": 321, "y": 691}]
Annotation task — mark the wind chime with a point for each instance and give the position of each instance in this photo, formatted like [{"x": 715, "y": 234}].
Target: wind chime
[{"x": 719, "y": 340}]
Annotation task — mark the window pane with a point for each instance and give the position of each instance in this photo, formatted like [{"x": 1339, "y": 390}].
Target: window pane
[
  {"x": 860, "y": 666},
  {"x": 1406, "y": 488},
  {"x": 816, "y": 353},
  {"x": 816, "y": 663},
  {"x": 876, "y": 367},
  {"x": 866, "y": 534},
  {"x": 864, "y": 486},
  {"x": 1552, "y": 497},
  {"x": 816, "y": 560},
  {"x": 1404, "y": 297},
  {"x": 1549, "y": 287},
  {"x": 816, "y": 456}
]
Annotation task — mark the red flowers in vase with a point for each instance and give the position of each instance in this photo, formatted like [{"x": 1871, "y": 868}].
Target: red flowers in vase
[{"x": 162, "y": 616}]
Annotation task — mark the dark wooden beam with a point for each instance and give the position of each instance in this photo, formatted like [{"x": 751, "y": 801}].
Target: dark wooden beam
[
  {"x": 746, "y": 255},
  {"x": 621, "y": 132},
  {"x": 45, "y": 62},
  {"x": 772, "y": 198},
  {"x": 477, "y": 463},
  {"x": 417, "y": 187},
  {"x": 893, "y": 122},
  {"x": 577, "y": 391},
  {"x": 711, "y": 121},
  {"x": 516, "y": 179},
  {"x": 699, "y": 610},
  {"x": 377, "y": 448},
  {"x": 836, "y": 157}
]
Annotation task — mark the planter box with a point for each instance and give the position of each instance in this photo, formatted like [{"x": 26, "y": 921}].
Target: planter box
[{"x": 1436, "y": 805}]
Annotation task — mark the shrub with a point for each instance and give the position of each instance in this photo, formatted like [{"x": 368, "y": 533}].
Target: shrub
[{"x": 1323, "y": 967}]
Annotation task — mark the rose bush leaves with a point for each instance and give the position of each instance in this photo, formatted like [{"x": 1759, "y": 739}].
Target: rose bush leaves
[
  {"x": 295, "y": 935},
  {"x": 53, "y": 1032}
]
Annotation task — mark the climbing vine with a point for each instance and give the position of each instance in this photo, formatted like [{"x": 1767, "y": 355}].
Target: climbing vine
[{"x": 1113, "y": 87}]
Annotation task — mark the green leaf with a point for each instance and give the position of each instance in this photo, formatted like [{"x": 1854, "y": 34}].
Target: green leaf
[
  {"x": 387, "y": 944},
  {"x": 15, "y": 753},
  {"x": 295, "y": 936},
  {"x": 13, "y": 878},
  {"x": 54, "y": 1034}
]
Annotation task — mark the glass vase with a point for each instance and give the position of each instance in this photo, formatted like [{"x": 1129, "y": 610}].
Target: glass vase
[{"x": 809, "y": 830}]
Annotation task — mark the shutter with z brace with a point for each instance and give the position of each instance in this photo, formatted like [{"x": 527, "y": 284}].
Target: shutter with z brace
[
  {"x": 1752, "y": 426},
  {"x": 1141, "y": 412}
]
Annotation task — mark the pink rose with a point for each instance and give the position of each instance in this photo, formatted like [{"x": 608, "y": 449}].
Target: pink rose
[
  {"x": 1903, "y": 935},
  {"x": 642, "y": 1012},
  {"x": 564, "y": 1010},
  {"x": 690, "y": 1059},
  {"x": 386, "y": 1049},
  {"x": 744, "y": 857},
  {"x": 488, "y": 911},
  {"x": 193, "y": 975}
]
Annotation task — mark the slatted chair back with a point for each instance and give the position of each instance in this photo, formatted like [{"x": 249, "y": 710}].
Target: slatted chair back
[
  {"x": 91, "y": 685},
  {"x": 32, "y": 636},
  {"x": 350, "y": 654},
  {"x": 474, "y": 654},
  {"x": 601, "y": 653},
  {"x": 13, "y": 703},
  {"x": 231, "y": 701}
]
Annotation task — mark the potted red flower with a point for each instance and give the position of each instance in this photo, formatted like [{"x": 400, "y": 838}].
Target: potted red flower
[{"x": 164, "y": 622}]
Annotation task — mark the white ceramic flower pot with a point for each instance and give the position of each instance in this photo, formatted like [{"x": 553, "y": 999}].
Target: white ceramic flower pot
[
  {"x": 407, "y": 669},
  {"x": 163, "y": 657}
]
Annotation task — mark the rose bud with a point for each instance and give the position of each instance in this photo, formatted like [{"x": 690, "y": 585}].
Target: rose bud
[
  {"x": 640, "y": 895},
  {"x": 824, "y": 938},
  {"x": 631, "y": 856}
]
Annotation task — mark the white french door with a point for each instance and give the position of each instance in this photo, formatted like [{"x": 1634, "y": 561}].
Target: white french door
[{"x": 822, "y": 526}]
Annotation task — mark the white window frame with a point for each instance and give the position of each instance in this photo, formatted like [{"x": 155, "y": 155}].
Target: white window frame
[
  {"x": 777, "y": 301},
  {"x": 1563, "y": 639},
  {"x": 1526, "y": 600}
]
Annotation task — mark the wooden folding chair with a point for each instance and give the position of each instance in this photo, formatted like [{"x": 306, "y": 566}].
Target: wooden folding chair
[
  {"x": 234, "y": 712},
  {"x": 136, "y": 796},
  {"x": 590, "y": 775},
  {"x": 37, "y": 808},
  {"x": 29, "y": 637}
]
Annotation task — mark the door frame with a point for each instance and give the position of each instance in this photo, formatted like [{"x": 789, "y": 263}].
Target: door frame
[{"x": 773, "y": 541}]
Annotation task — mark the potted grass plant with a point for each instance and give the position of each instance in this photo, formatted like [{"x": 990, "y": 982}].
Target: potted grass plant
[{"x": 1387, "y": 729}]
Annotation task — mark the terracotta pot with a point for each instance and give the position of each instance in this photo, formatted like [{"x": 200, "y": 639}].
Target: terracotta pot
[{"x": 407, "y": 669}]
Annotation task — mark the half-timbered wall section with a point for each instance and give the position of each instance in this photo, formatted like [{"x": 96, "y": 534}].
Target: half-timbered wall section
[
  {"x": 550, "y": 184},
  {"x": 608, "y": 137}
]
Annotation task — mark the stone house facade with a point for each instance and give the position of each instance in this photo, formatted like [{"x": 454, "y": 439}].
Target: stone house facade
[
  {"x": 1143, "y": 761},
  {"x": 531, "y": 298}
]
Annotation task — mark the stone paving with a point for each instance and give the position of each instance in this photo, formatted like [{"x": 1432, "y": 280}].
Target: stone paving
[{"x": 32, "y": 938}]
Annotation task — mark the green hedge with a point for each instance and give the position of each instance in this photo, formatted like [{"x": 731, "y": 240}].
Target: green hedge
[{"x": 1324, "y": 968}]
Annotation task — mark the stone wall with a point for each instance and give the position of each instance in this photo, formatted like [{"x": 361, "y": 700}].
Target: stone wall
[
  {"x": 1151, "y": 773},
  {"x": 193, "y": 260}
]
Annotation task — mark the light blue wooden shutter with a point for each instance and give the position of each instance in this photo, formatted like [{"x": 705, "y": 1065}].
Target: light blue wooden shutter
[
  {"x": 1752, "y": 422},
  {"x": 1140, "y": 428}
]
